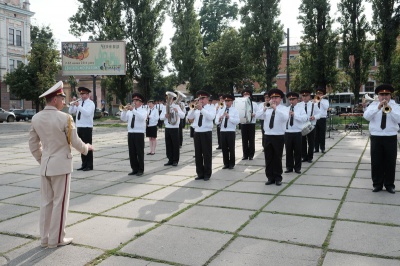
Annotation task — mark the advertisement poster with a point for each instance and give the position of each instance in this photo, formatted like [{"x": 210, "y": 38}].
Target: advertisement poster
[{"x": 93, "y": 58}]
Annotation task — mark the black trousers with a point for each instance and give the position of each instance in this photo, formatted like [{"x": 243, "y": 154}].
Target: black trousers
[
  {"x": 219, "y": 135},
  {"x": 293, "y": 150},
  {"x": 383, "y": 160},
  {"x": 172, "y": 144},
  {"x": 320, "y": 130},
  {"x": 307, "y": 151},
  {"x": 273, "y": 150},
  {"x": 203, "y": 153},
  {"x": 136, "y": 151},
  {"x": 262, "y": 131},
  {"x": 181, "y": 126},
  {"x": 248, "y": 140},
  {"x": 85, "y": 133},
  {"x": 228, "y": 147}
]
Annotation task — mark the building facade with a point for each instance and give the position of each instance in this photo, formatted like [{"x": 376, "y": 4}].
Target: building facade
[{"x": 15, "y": 23}]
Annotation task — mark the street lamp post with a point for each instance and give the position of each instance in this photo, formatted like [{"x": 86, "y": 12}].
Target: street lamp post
[{"x": 287, "y": 62}]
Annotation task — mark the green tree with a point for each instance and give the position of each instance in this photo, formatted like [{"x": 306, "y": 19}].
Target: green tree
[
  {"x": 386, "y": 29},
  {"x": 318, "y": 47},
  {"x": 262, "y": 34},
  {"x": 30, "y": 81},
  {"x": 72, "y": 83},
  {"x": 356, "y": 50},
  {"x": 224, "y": 63},
  {"x": 215, "y": 16},
  {"x": 186, "y": 45}
]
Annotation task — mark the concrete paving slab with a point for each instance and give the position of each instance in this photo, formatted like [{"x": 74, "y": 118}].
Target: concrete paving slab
[
  {"x": 150, "y": 210},
  {"x": 178, "y": 245},
  {"x": 296, "y": 229},
  {"x": 216, "y": 184},
  {"x": 180, "y": 194},
  {"x": 119, "y": 260},
  {"x": 256, "y": 252},
  {"x": 366, "y": 238},
  {"x": 212, "y": 218},
  {"x": 129, "y": 189},
  {"x": 331, "y": 172},
  {"x": 334, "y": 259},
  {"x": 367, "y": 196},
  {"x": 9, "y": 191},
  {"x": 336, "y": 159},
  {"x": 255, "y": 187},
  {"x": 329, "y": 165},
  {"x": 10, "y": 178},
  {"x": 158, "y": 179},
  {"x": 229, "y": 174},
  {"x": 323, "y": 180},
  {"x": 92, "y": 232},
  {"x": 304, "y": 206},
  {"x": 95, "y": 203},
  {"x": 363, "y": 174},
  {"x": 30, "y": 183},
  {"x": 315, "y": 191},
  {"x": 111, "y": 176},
  {"x": 378, "y": 213},
  {"x": 33, "y": 254},
  {"x": 8, "y": 211},
  {"x": 237, "y": 200},
  {"x": 8, "y": 243},
  {"x": 88, "y": 186},
  {"x": 365, "y": 183}
]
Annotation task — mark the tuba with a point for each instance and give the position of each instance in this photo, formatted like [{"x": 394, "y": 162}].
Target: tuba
[
  {"x": 172, "y": 115},
  {"x": 179, "y": 99}
]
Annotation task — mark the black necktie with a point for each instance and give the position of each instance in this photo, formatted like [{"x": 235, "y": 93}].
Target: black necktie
[
  {"x": 291, "y": 117},
  {"x": 226, "y": 119},
  {"x": 79, "y": 113},
  {"x": 200, "y": 122},
  {"x": 383, "y": 121},
  {"x": 271, "y": 122},
  {"x": 319, "y": 105},
  {"x": 133, "y": 121},
  {"x": 306, "y": 107},
  {"x": 148, "y": 119}
]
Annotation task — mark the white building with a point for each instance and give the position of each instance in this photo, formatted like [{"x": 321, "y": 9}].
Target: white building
[{"x": 15, "y": 23}]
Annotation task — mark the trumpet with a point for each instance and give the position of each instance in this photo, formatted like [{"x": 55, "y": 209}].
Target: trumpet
[
  {"x": 267, "y": 105},
  {"x": 221, "y": 104},
  {"x": 318, "y": 98},
  {"x": 124, "y": 108},
  {"x": 386, "y": 108},
  {"x": 77, "y": 100},
  {"x": 193, "y": 106}
]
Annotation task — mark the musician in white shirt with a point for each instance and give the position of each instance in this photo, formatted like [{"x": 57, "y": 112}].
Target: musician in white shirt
[
  {"x": 248, "y": 130},
  {"x": 320, "y": 128},
  {"x": 136, "y": 117},
  {"x": 384, "y": 117},
  {"x": 313, "y": 114},
  {"x": 275, "y": 118},
  {"x": 297, "y": 117},
  {"x": 151, "y": 129},
  {"x": 220, "y": 105},
  {"x": 228, "y": 118},
  {"x": 84, "y": 111},
  {"x": 203, "y": 116}
]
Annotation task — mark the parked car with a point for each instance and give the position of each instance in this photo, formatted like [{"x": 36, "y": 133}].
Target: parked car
[
  {"x": 17, "y": 113},
  {"x": 6, "y": 116},
  {"x": 27, "y": 114}
]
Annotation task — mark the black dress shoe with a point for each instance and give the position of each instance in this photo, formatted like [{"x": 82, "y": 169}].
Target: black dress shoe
[
  {"x": 225, "y": 167},
  {"x": 218, "y": 148},
  {"x": 199, "y": 178},
  {"x": 244, "y": 158},
  {"x": 309, "y": 161},
  {"x": 304, "y": 160},
  {"x": 139, "y": 174},
  {"x": 323, "y": 151},
  {"x": 231, "y": 167},
  {"x": 133, "y": 173},
  {"x": 269, "y": 182},
  {"x": 278, "y": 183},
  {"x": 174, "y": 164},
  {"x": 288, "y": 171},
  {"x": 206, "y": 178},
  {"x": 316, "y": 151},
  {"x": 297, "y": 171},
  {"x": 390, "y": 190},
  {"x": 169, "y": 163},
  {"x": 377, "y": 189},
  {"x": 250, "y": 158},
  {"x": 88, "y": 169},
  {"x": 79, "y": 169}
]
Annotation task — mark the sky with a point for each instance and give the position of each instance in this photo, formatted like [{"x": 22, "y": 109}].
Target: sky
[{"x": 56, "y": 13}]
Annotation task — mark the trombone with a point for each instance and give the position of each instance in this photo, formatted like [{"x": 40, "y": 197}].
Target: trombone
[{"x": 318, "y": 98}]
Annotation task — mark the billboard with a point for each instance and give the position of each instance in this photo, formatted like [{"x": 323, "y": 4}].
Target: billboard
[{"x": 93, "y": 58}]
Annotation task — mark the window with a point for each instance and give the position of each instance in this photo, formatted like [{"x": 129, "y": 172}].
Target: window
[
  {"x": 369, "y": 86},
  {"x": 11, "y": 65},
  {"x": 18, "y": 38},
  {"x": 11, "y": 36}
]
